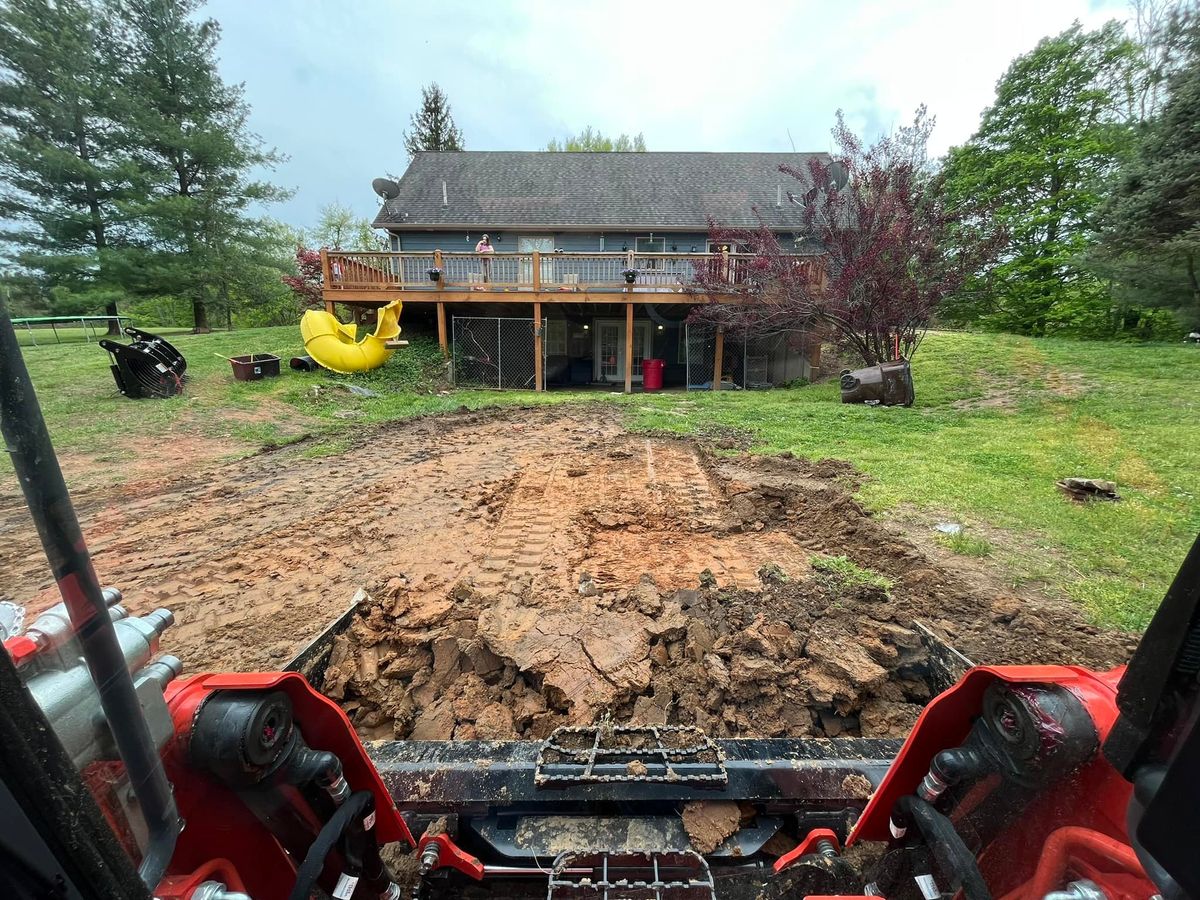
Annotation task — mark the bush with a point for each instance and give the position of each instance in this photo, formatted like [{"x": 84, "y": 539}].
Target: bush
[{"x": 161, "y": 312}]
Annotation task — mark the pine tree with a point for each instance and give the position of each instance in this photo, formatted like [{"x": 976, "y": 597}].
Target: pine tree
[
  {"x": 65, "y": 161},
  {"x": 201, "y": 242},
  {"x": 1151, "y": 239},
  {"x": 432, "y": 126}
]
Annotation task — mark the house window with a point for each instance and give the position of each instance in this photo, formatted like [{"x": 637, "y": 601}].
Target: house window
[
  {"x": 649, "y": 244},
  {"x": 527, "y": 243},
  {"x": 556, "y": 337}
]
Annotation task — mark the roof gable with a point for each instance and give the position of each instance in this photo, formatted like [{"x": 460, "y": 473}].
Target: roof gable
[{"x": 498, "y": 189}]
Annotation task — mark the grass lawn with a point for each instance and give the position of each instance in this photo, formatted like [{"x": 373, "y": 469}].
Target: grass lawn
[{"x": 998, "y": 419}]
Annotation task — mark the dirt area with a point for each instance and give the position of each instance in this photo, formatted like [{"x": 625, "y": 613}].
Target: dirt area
[
  {"x": 1006, "y": 393},
  {"x": 529, "y": 568}
]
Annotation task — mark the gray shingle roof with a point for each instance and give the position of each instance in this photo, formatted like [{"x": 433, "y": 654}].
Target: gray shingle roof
[{"x": 494, "y": 189}]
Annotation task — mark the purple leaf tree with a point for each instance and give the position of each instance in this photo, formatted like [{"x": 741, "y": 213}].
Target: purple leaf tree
[{"x": 885, "y": 249}]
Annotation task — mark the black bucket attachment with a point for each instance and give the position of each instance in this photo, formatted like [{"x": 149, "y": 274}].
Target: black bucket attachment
[
  {"x": 149, "y": 367},
  {"x": 889, "y": 384}
]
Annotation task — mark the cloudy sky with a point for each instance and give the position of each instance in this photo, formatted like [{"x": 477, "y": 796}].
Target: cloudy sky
[{"x": 332, "y": 82}]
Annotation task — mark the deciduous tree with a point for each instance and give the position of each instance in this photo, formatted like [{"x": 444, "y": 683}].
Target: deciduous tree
[
  {"x": 592, "y": 141},
  {"x": 877, "y": 218},
  {"x": 340, "y": 229},
  {"x": 307, "y": 281},
  {"x": 1059, "y": 126}
]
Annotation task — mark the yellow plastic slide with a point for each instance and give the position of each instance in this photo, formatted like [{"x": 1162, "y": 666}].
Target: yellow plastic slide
[{"x": 333, "y": 344}]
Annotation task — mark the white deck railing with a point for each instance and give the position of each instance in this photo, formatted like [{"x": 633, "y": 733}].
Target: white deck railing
[{"x": 560, "y": 272}]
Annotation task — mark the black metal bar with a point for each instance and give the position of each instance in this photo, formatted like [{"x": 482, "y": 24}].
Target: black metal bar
[
  {"x": 38, "y": 777},
  {"x": 28, "y": 443},
  {"x": 441, "y": 776}
]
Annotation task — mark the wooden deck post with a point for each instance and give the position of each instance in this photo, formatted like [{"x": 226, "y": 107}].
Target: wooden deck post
[
  {"x": 537, "y": 271},
  {"x": 629, "y": 347},
  {"x": 719, "y": 361},
  {"x": 326, "y": 279},
  {"x": 538, "y": 374},
  {"x": 441, "y": 307},
  {"x": 442, "y": 340}
]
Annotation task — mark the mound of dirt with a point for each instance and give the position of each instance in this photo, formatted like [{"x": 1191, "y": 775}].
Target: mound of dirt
[
  {"x": 797, "y": 653},
  {"x": 795, "y": 659}
]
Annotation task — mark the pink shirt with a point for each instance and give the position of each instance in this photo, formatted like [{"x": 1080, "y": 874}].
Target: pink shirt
[{"x": 481, "y": 247}]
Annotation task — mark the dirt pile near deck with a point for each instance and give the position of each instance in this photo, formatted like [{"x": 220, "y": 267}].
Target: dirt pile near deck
[{"x": 798, "y": 652}]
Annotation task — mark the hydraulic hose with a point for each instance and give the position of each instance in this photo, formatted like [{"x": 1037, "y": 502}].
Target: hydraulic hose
[
  {"x": 28, "y": 443},
  {"x": 949, "y": 851},
  {"x": 359, "y": 804},
  {"x": 950, "y": 767}
]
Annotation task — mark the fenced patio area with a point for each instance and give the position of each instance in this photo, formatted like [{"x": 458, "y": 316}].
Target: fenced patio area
[
  {"x": 508, "y": 353},
  {"x": 748, "y": 361},
  {"x": 497, "y": 352}
]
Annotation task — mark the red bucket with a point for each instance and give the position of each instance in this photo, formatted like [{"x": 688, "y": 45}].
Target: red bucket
[{"x": 652, "y": 374}]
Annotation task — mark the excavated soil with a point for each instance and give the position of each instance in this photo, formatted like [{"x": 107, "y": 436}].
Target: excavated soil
[
  {"x": 532, "y": 568},
  {"x": 647, "y": 581}
]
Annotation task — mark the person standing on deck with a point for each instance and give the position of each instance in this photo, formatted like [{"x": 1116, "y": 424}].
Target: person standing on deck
[{"x": 485, "y": 246}]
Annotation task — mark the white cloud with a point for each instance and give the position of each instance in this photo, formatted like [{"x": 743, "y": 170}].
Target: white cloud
[{"x": 332, "y": 84}]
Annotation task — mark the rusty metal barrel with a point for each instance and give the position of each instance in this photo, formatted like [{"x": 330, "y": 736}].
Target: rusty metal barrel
[{"x": 888, "y": 384}]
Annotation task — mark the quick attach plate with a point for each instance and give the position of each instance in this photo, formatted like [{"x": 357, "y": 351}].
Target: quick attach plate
[{"x": 591, "y": 754}]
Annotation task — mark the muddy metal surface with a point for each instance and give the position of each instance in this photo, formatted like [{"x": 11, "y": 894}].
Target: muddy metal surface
[{"x": 530, "y": 568}]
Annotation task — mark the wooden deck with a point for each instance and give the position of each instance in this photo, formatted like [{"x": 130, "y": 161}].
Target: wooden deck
[{"x": 373, "y": 279}]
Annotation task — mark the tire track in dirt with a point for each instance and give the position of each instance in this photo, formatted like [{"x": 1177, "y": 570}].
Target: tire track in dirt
[{"x": 256, "y": 556}]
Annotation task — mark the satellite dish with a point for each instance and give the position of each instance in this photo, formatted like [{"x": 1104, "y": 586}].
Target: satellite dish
[
  {"x": 839, "y": 174},
  {"x": 385, "y": 188}
]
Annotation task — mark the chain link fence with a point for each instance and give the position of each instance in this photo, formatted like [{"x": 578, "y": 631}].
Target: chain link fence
[
  {"x": 495, "y": 352},
  {"x": 748, "y": 361}
]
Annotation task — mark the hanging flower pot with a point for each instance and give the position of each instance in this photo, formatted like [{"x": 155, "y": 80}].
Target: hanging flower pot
[
  {"x": 434, "y": 273},
  {"x": 630, "y": 275}
]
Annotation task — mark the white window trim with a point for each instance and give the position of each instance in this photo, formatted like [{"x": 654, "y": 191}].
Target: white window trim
[
  {"x": 556, "y": 337},
  {"x": 647, "y": 344}
]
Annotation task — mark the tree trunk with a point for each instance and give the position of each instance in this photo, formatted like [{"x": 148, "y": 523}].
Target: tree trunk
[
  {"x": 1191, "y": 270},
  {"x": 114, "y": 325},
  {"x": 99, "y": 234},
  {"x": 200, "y": 316}
]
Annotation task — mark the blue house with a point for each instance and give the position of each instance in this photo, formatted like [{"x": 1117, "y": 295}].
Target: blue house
[{"x": 599, "y": 248}]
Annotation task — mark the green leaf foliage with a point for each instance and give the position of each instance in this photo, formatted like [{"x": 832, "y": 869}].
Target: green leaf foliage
[
  {"x": 200, "y": 238},
  {"x": 1058, "y": 128},
  {"x": 432, "y": 126},
  {"x": 65, "y": 166},
  {"x": 591, "y": 141},
  {"x": 1150, "y": 242}
]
